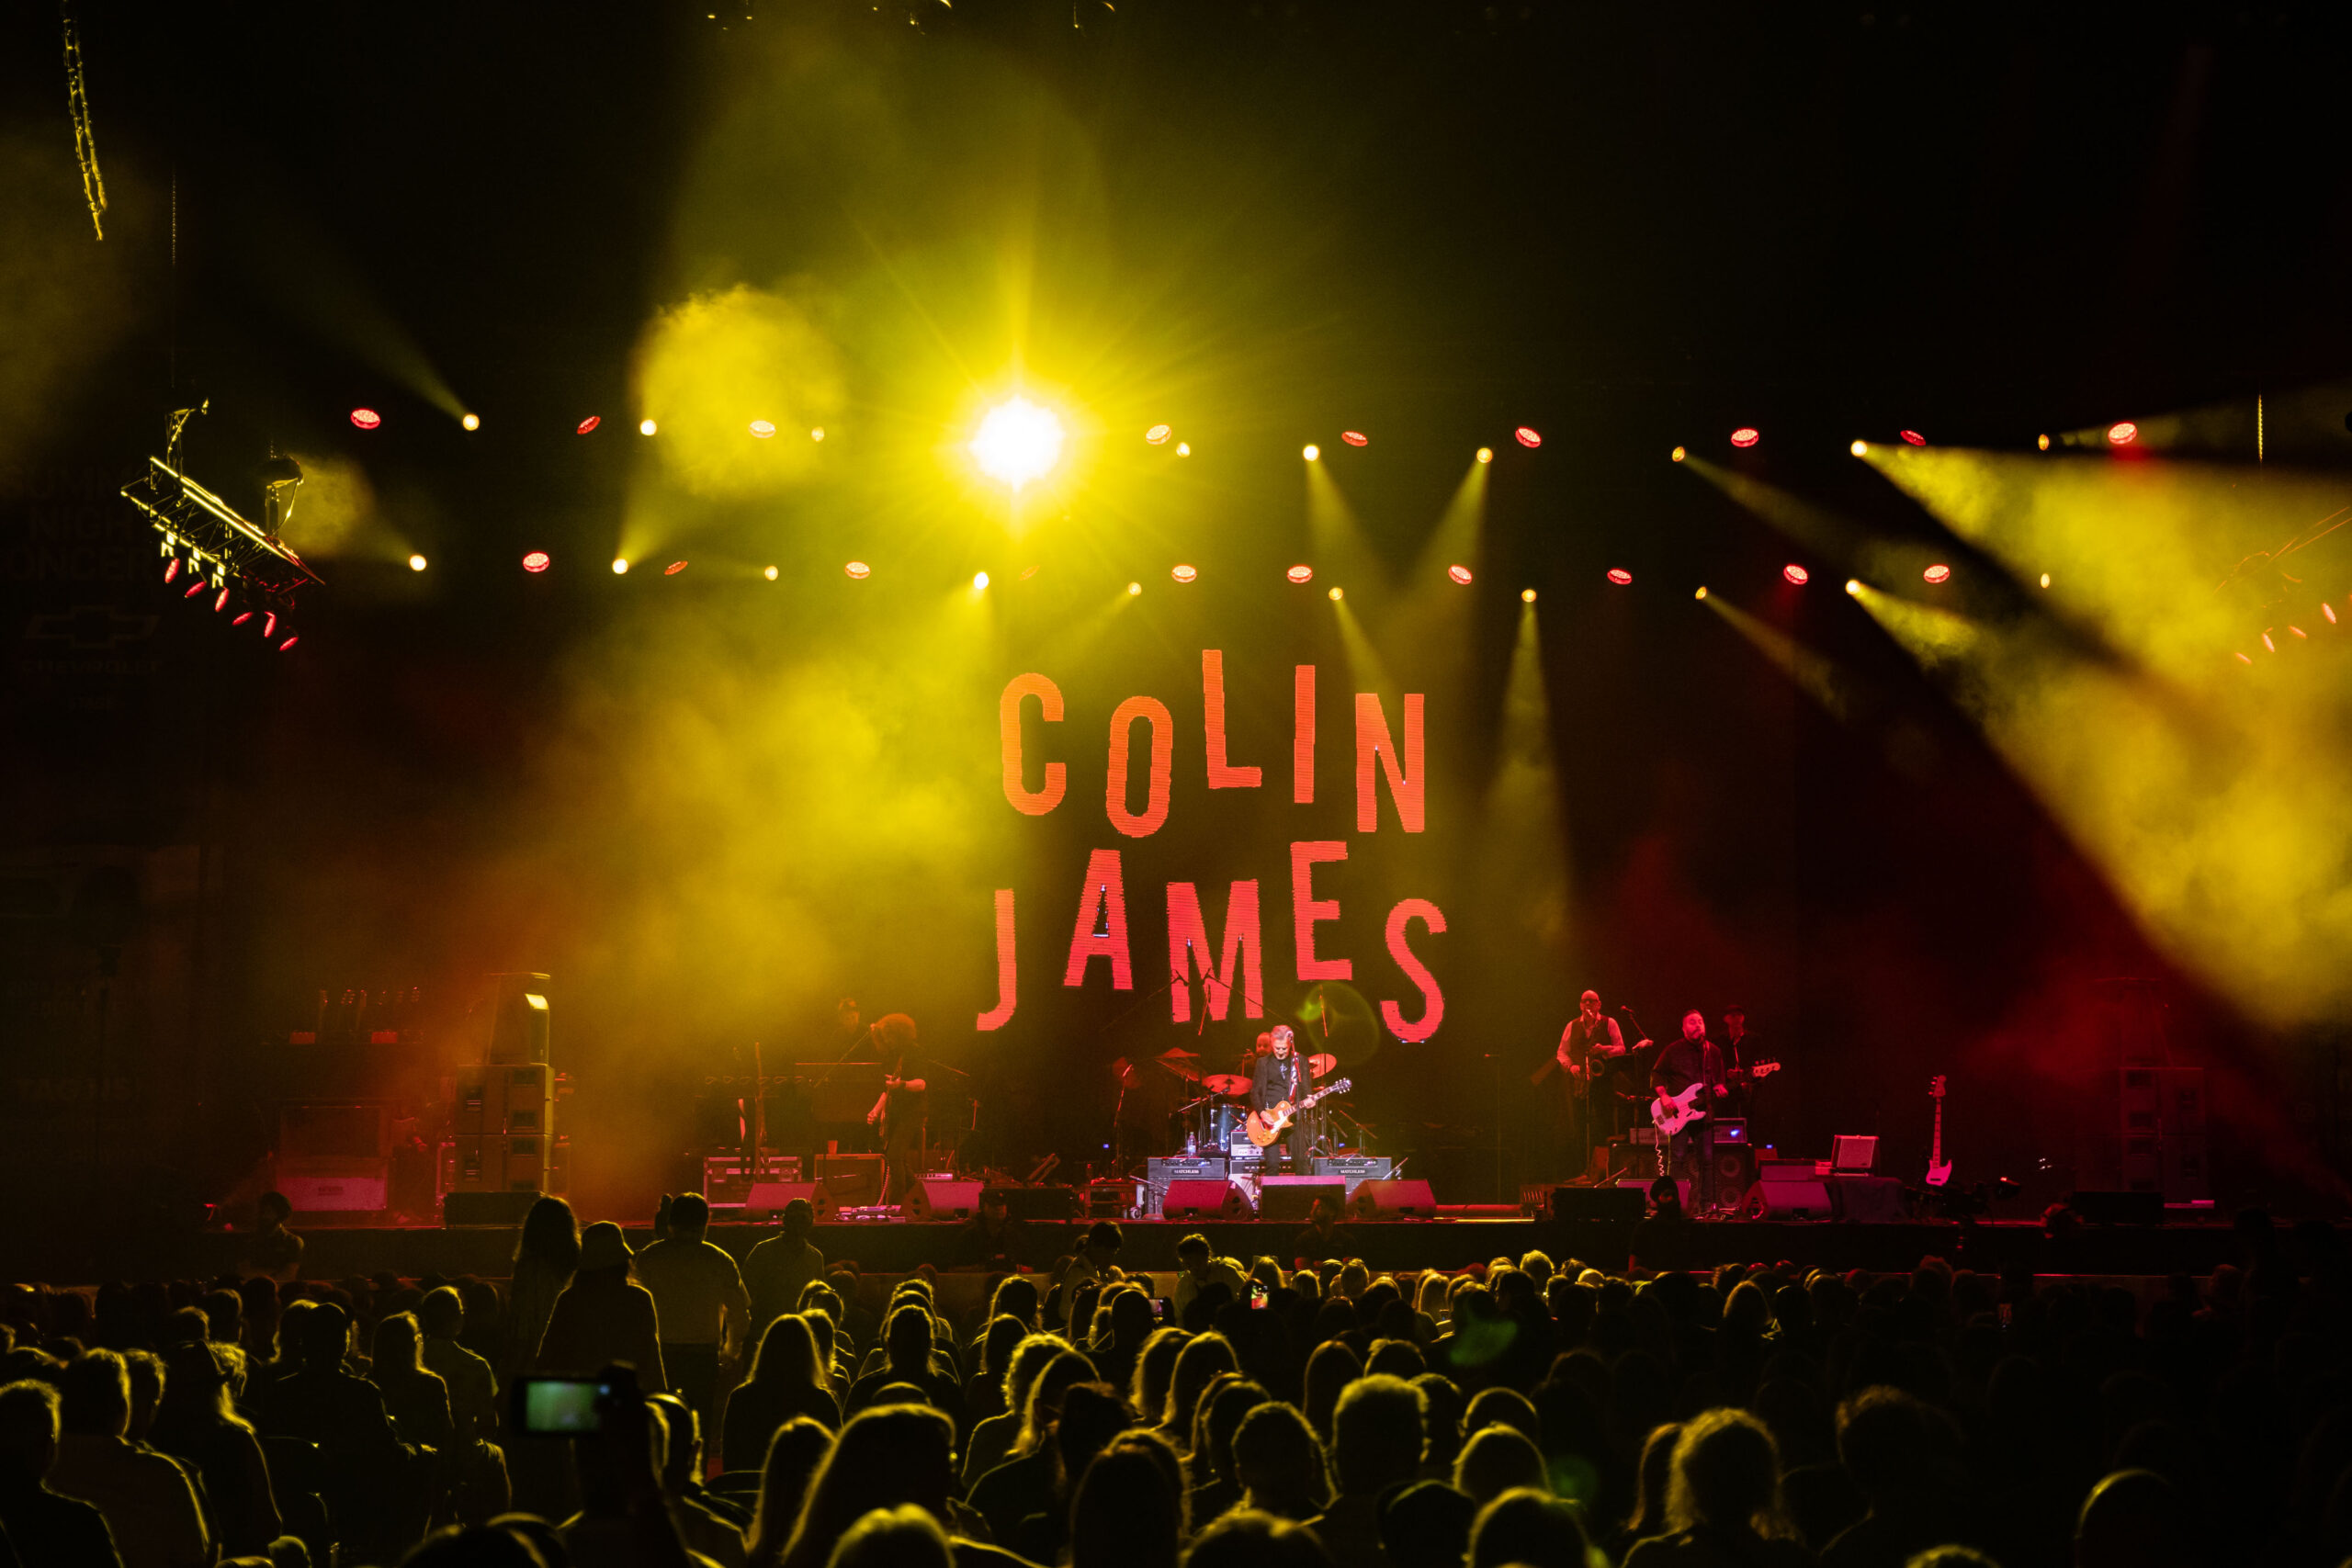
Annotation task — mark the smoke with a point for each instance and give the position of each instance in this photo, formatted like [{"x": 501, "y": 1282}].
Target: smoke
[
  {"x": 710, "y": 367},
  {"x": 66, "y": 299}
]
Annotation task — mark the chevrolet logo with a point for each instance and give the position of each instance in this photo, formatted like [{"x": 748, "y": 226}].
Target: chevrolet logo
[{"x": 90, "y": 625}]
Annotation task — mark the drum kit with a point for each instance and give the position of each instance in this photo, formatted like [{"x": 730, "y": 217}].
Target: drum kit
[{"x": 1216, "y": 1121}]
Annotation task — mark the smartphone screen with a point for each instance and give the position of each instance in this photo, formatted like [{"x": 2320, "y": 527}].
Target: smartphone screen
[{"x": 560, "y": 1407}]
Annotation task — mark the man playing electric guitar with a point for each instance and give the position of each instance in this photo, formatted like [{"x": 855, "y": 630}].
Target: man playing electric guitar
[
  {"x": 1279, "y": 1079},
  {"x": 1693, "y": 1060}
]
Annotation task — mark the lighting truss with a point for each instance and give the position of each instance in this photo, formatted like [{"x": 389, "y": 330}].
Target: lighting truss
[{"x": 220, "y": 545}]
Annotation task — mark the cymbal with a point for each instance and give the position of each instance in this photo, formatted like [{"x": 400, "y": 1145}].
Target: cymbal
[
  {"x": 1179, "y": 1051},
  {"x": 1226, "y": 1084},
  {"x": 1181, "y": 1069},
  {"x": 1323, "y": 1062}
]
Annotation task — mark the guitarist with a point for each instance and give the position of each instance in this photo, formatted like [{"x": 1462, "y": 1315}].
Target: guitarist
[
  {"x": 1690, "y": 1060},
  {"x": 1589, "y": 1046},
  {"x": 1279, "y": 1077}
]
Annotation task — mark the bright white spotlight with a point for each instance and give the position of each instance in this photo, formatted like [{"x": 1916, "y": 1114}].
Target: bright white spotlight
[
  {"x": 646, "y": 427},
  {"x": 980, "y": 580},
  {"x": 1018, "y": 441},
  {"x": 471, "y": 422},
  {"x": 620, "y": 566},
  {"x": 416, "y": 563}
]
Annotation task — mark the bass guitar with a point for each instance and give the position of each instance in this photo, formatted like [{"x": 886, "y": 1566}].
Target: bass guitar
[
  {"x": 1669, "y": 1113},
  {"x": 1265, "y": 1126},
  {"x": 1939, "y": 1168}
]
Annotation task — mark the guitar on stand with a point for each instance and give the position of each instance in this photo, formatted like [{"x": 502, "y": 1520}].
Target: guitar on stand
[
  {"x": 1265, "y": 1126},
  {"x": 1939, "y": 1168}
]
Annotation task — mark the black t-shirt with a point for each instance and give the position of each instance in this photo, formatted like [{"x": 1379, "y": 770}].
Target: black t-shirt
[
  {"x": 1684, "y": 1063},
  {"x": 1275, "y": 1079}
]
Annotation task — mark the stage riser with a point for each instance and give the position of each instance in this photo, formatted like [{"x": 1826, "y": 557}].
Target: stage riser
[{"x": 336, "y": 1254}]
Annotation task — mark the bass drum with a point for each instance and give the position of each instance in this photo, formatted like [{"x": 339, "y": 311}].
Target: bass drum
[{"x": 1221, "y": 1128}]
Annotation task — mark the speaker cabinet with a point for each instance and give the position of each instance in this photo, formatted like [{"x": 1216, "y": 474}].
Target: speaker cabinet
[
  {"x": 1204, "y": 1201},
  {"x": 1798, "y": 1198},
  {"x": 773, "y": 1197},
  {"x": 943, "y": 1198},
  {"x": 1376, "y": 1200},
  {"x": 1292, "y": 1197}
]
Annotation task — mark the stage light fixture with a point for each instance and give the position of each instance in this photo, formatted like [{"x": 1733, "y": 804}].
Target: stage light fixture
[
  {"x": 172, "y": 568},
  {"x": 1311, "y": 452},
  {"x": 288, "y": 645},
  {"x": 194, "y": 589},
  {"x": 2045, "y": 579},
  {"x": 2244, "y": 659},
  {"x": 646, "y": 427},
  {"x": 367, "y": 419},
  {"x": 2329, "y": 611},
  {"x": 1355, "y": 438},
  {"x": 1183, "y": 448},
  {"x": 1620, "y": 576},
  {"x": 2296, "y": 629},
  {"x": 1859, "y": 448},
  {"x": 1302, "y": 573},
  {"x": 1679, "y": 454},
  {"x": 471, "y": 422},
  {"x": 1938, "y": 572},
  {"x": 1461, "y": 574},
  {"x": 591, "y": 423},
  {"x": 1912, "y": 437},
  {"x": 1486, "y": 454},
  {"x": 416, "y": 563},
  {"x": 2268, "y": 644},
  {"x": 1337, "y": 594},
  {"x": 1182, "y": 573},
  {"x": 537, "y": 560},
  {"x": 1029, "y": 571},
  {"x": 2122, "y": 433},
  {"x": 1796, "y": 575},
  {"x": 858, "y": 570},
  {"x": 221, "y": 602},
  {"x": 769, "y": 574},
  {"x": 620, "y": 566},
  {"x": 1745, "y": 436},
  {"x": 980, "y": 580},
  {"x": 1528, "y": 436},
  {"x": 818, "y": 433},
  {"x": 1018, "y": 441},
  {"x": 1527, "y": 596},
  {"x": 269, "y": 625},
  {"x": 1134, "y": 589},
  {"x": 763, "y": 428},
  {"x": 1159, "y": 433},
  {"x": 675, "y": 568},
  {"x": 1854, "y": 586},
  {"x": 2042, "y": 442},
  {"x": 242, "y": 619},
  {"x": 1701, "y": 594}
]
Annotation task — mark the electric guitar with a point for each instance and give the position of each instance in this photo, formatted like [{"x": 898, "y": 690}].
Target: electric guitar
[
  {"x": 1939, "y": 1168},
  {"x": 1265, "y": 1126},
  {"x": 1689, "y": 1106}
]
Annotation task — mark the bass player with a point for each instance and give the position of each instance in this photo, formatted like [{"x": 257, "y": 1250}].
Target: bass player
[
  {"x": 1280, "y": 1078},
  {"x": 1690, "y": 1060}
]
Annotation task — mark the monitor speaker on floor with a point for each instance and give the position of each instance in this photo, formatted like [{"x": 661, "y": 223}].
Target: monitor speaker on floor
[
  {"x": 943, "y": 1198},
  {"x": 773, "y": 1197},
  {"x": 1292, "y": 1197},
  {"x": 1408, "y": 1200},
  {"x": 1189, "y": 1199}
]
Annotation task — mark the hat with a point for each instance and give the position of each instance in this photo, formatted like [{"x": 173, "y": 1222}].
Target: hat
[
  {"x": 601, "y": 1246},
  {"x": 1735, "y": 1008}
]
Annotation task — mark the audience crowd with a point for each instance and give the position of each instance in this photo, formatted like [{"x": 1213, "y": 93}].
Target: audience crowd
[{"x": 1532, "y": 1410}]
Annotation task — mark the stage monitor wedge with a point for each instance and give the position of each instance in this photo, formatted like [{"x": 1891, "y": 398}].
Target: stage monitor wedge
[
  {"x": 1292, "y": 1197},
  {"x": 1385, "y": 1199},
  {"x": 1187, "y": 1200}
]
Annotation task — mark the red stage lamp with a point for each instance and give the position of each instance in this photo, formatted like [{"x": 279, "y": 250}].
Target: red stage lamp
[
  {"x": 1183, "y": 573},
  {"x": 675, "y": 568},
  {"x": 2329, "y": 611},
  {"x": 194, "y": 589},
  {"x": 172, "y": 568},
  {"x": 1355, "y": 437},
  {"x": 1528, "y": 436},
  {"x": 858, "y": 569},
  {"x": 2268, "y": 644},
  {"x": 1620, "y": 576},
  {"x": 1159, "y": 433},
  {"x": 220, "y": 600},
  {"x": 1745, "y": 436},
  {"x": 270, "y": 624},
  {"x": 287, "y": 644},
  {"x": 1913, "y": 436},
  {"x": 1460, "y": 574},
  {"x": 1796, "y": 575},
  {"x": 2297, "y": 630},
  {"x": 591, "y": 423},
  {"x": 1938, "y": 572},
  {"x": 242, "y": 619},
  {"x": 1302, "y": 573},
  {"x": 2122, "y": 433},
  {"x": 2244, "y": 659},
  {"x": 536, "y": 561},
  {"x": 366, "y": 419}
]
